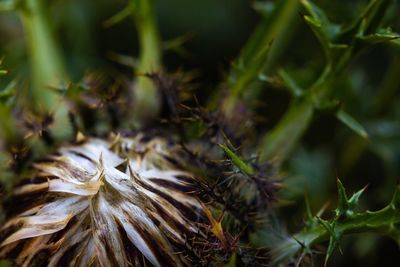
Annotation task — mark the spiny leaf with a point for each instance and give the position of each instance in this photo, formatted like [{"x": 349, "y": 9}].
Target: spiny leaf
[
  {"x": 319, "y": 16},
  {"x": 353, "y": 201},
  {"x": 333, "y": 239},
  {"x": 342, "y": 200},
  {"x": 243, "y": 166},
  {"x": 347, "y": 205},
  {"x": 333, "y": 243},
  {"x": 351, "y": 123},
  {"x": 378, "y": 38},
  {"x": 317, "y": 13},
  {"x": 385, "y": 221}
]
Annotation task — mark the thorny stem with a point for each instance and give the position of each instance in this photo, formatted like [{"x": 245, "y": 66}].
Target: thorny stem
[
  {"x": 276, "y": 32},
  {"x": 46, "y": 61},
  {"x": 381, "y": 221},
  {"x": 147, "y": 102},
  {"x": 280, "y": 141}
]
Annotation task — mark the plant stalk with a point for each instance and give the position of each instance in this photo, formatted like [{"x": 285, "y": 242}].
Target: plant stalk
[
  {"x": 280, "y": 141},
  {"x": 378, "y": 221},
  {"x": 46, "y": 61},
  {"x": 273, "y": 34},
  {"x": 147, "y": 100}
]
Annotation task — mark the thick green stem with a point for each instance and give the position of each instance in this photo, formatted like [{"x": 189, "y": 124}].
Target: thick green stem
[
  {"x": 46, "y": 61},
  {"x": 280, "y": 141},
  {"x": 147, "y": 102}
]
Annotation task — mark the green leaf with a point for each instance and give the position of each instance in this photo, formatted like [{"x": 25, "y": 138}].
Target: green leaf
[
  {"x": 330, "y": 29},
  {"x": 333, "y": 243},
  {"x": 343, "y": 204},
  {"x": 350, "y": 122},
  {"x": 243, "y": 166},
  {"x": 353, "y": 201},
  {"x": 333, "y": 239},
  {"x": 317, "y": 13},
  {"x": 347, "y": 206},
  {"x": 378, "y": 38}
]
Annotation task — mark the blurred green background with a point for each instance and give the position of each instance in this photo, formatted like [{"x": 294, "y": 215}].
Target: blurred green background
[{"x": 215, "y": 32}]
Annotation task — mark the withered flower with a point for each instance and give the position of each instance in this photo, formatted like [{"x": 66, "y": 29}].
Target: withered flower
[{"x": 123, "y": 202}]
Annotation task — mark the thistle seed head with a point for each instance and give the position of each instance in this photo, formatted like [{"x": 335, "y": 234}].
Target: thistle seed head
[{"x": 108, "y": 203}]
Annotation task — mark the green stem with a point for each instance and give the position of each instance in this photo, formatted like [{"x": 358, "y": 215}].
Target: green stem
[
  {"x": 46, "y": 61},
  {"x": 280, "y": 141},
  {"x": 273, "y": 33},
  {"x": 381, "y": 221},
  {"x": 147, "y": 102}
]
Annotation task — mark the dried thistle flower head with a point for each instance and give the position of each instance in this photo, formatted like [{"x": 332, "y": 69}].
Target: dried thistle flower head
[{"x": 107, "y": 203}]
